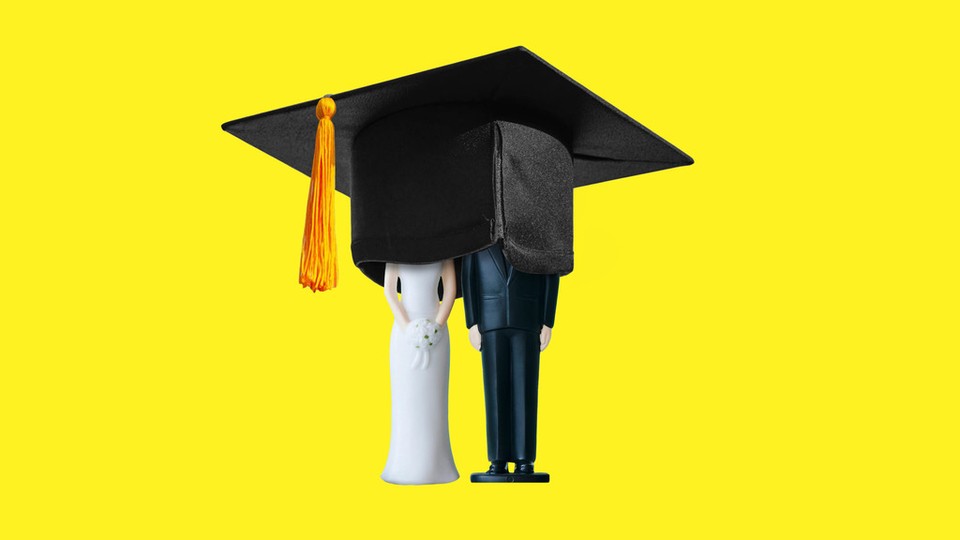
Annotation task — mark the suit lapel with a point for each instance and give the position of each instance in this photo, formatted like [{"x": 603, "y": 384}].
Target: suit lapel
[{"x": 497, "y": 257}]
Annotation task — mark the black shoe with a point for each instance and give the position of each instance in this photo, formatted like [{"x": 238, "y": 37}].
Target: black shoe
[
  {"x": 524, "y": 467},
  {"x": 497, "y": 467}
]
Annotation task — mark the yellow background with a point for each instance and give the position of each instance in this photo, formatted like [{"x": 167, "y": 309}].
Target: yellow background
[{"x": 762, "y": 345}]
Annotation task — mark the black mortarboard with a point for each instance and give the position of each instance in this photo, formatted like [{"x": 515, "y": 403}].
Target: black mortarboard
[{"x": 448, "y": 161}]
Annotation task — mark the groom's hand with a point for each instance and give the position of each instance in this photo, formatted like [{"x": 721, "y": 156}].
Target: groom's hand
[
  {"x": 475, "y": 337},
  {"x": 545, "y": 334}
]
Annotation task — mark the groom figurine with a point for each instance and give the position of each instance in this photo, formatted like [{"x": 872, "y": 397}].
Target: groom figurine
[{"x": 510, "y": 316}]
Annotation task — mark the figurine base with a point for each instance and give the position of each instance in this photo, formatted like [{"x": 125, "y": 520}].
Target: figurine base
[{"x": 508, "y": 478}]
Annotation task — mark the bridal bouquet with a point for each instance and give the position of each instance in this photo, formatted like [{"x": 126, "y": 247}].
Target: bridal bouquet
[{"x": 423, "y": 335}]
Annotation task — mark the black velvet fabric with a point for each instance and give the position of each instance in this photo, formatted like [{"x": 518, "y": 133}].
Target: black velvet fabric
[
  {"x": 423, "y": 188},
  {"x": 441, "y": 181},
  {"x": 606, "y": 143},
  {"x": 536, "y": 197},
  {"x": 447, "y": 162}
]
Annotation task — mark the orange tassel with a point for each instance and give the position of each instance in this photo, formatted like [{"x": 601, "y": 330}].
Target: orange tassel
[{"x": 318, "y": 256}]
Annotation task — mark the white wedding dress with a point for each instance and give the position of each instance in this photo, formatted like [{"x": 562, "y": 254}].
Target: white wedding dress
[{"x": 420, "y": 450}]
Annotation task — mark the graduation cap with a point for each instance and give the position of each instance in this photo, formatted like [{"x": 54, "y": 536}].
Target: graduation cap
[{"x": 448, "y": 161}]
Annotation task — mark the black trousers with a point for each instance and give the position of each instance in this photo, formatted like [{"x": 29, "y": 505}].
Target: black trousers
[{"x": 511, "y": 368}]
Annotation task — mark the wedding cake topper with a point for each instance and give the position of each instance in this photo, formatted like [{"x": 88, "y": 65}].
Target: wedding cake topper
[{"x": 465, "y": 171}]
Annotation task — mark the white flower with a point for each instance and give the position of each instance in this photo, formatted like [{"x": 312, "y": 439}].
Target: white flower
[{"x": 423, "y": 335}]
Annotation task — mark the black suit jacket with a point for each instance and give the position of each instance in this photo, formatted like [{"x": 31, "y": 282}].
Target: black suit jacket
[{"x": 497, "y": 295}]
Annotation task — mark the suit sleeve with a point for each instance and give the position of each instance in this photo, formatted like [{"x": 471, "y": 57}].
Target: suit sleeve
[
  {"x": 550, "y": 299},
  {"x": 467, "y": 285}
]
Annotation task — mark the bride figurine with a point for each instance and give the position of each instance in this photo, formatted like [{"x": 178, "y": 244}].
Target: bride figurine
[{"x": 420, "y": 450}]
